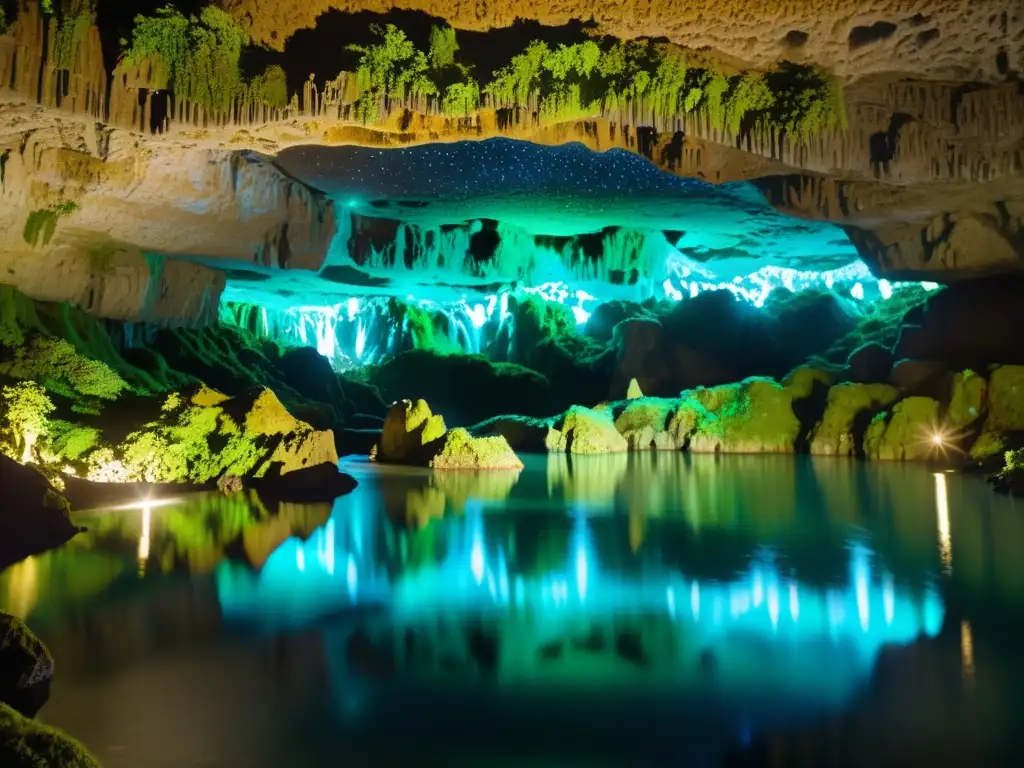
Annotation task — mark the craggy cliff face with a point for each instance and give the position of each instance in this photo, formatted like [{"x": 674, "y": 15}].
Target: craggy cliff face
[
  {"x": 922, "y": 38},
  {"x": 137, "y": 196}
]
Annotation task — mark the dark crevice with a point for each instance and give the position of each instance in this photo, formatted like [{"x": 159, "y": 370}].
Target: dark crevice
[
  {"x": 797, "y": 38},
  {"x": 880, "y": 30}
]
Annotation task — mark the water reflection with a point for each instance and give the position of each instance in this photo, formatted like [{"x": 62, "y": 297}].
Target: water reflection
[{"x": 756, "y": 587}]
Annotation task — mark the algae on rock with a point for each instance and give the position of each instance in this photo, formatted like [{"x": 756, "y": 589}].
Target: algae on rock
[
  {"x": 586, "y": 431},
  {"x": 905, "y": 433},
  {"x": 753, "y": 416},
  {"x": 835, "y": 434},
  {"x": 26, "y": 743}
]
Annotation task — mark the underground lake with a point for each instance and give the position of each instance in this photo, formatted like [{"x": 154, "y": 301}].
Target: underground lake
[{"x": 635, "y": 609}]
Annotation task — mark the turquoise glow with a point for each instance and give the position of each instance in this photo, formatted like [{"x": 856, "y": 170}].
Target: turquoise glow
[
  {"x": 360, "y": 330},
  {"x": 763, "y": 626}
]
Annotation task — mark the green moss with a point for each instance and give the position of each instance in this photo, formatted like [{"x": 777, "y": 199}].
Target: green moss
[
  {"x": 26, "y": 743},
  {"x": 807, "y": 101},
  {"x": 24, "y": 411},
  {"x": 41, "y": 224},
  {"x": 457, "y": 449},
  {"x": 905, "y": 433},
  {"x": 61, "y": 369},
  {"x": 1006, "y": 399},
  {"x": 967, "y": 402},
  {"x": 645, "y": 424},
  {"x": 754, "y": 416},
  {"x": 835, "y": 434},
  {"x": 75, "y": 20},
  {"x": 586, "y": 431}
]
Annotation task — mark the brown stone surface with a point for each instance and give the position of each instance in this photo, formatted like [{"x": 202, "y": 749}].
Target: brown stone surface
[{"x": 943, "y": 38}]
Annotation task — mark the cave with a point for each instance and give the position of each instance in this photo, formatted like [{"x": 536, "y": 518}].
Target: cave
[{"x": 422, "y": 382}]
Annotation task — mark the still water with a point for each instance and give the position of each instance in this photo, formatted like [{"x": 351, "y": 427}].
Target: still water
[{"x": 635, "y": 610}]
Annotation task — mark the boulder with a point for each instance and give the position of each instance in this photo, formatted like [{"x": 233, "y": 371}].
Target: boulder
[
  {"x": 24, "y": 743},
  {"x": 967, "y": 400},
  {"x": 904, "y": 433},
  {"x": 869, "y": 364},
  {"x": 201, "y": 434},
  {"x": 521, "y": 432},
  {"x": 33, "y": 517},
  {"x": 753, "y": 416},
  {"x": 457, "y": 449},
  {"x": 1005, "y": 405},
  {"x": 586, "y": 431},
  {"x": 407, "y": 428},
  {"x": 26, "y": 667},
  {"x": 649, "y": 424},
  {"x": 849, "y": 407},
  {"x": 414, "y": 435}
]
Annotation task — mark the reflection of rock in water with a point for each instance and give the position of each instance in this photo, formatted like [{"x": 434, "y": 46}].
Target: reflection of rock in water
[
  {"x": 417, "y": 498},
  {"x": 199, "y": 531},
  {"x": 586, "y": 479}
]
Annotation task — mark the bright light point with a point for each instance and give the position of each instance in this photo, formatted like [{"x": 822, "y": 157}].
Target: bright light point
[
  {"x": 942, "y": 515},
  {"x": 857, "y": 291},
  {"x": 144, "y": 536},
  {"x": 930, "y": 286},
  {"x": 938, "y": 439},
  {"x": 476, "y": 561},
  {"x": 885, "y": 288}
]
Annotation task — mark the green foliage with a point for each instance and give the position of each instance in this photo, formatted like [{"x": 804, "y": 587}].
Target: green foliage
[
  {"x": 59, "y": 367},
  {"x": 520, "y": 79},
  {"x": 42, "y": 224},
  {"x": 390, "y": 69},
  {"x": 197, "y": 58},
  {"x": 24, "y": 408},
  {"x": 67, "y": 442},
  {"x": 808, "y": 101},
  {"x": 443, "y": 47},
  {"x": 76, "y": 17},
  {"x": 462, "y": 99},
  {"x": 749, "y": 93}
]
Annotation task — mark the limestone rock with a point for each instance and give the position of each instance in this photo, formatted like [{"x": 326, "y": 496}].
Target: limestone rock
[
  {"x": 852, "y": 37},
  {"x": 633, "y": 392},
  {"x": 407, "y": 428},
  {"x": 414, "y": 435},
  {"x": 905, "y": 433},
  {"x": 649, "y": 424},
  {"x": 836, "y": 433},
  {"x": 754, "y": 416},
  {"x": 457, "y": 449},
  {"x": 202, "y": 434},
  {"x": 1005, "y": 403},
  {"x": 25, "y": 743},
  {"x": 586, "y": 431},
  {"x": 26, "y": 667},
  {"x": 967, "y": 402}
]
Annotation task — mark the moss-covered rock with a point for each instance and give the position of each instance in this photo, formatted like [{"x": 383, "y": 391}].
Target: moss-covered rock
[
  {"x": 412, "y": 434},
  {"x": 967, "y": 400},
  {"x": 753, "y": 416},
  {"x": 586, "y": 431},
  {"x": 25, "y": 743},
  {"x": 801, "y": 382},
  {"x": 457, "y": 449},
  {"x": 408, "y": 427},
  {"x": 26, "y": 667},
  {"x": 904, "y": 433},
  {"x": 647, "y": 423},
  {"x": 1010, "y": 479},
  {"x": 848, "y": 405},
  {"x": 1005, "y": 405},
  {"x": 201, "y": 435}
]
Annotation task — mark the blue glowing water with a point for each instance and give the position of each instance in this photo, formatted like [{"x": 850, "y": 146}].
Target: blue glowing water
[{"x": 623, "y": 610}]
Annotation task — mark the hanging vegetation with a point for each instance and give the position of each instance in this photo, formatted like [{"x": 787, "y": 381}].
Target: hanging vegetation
[{"x": 74, "y": 19}]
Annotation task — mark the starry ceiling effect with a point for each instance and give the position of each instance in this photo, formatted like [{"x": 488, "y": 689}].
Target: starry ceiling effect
[{"x": 563, "y": 191}]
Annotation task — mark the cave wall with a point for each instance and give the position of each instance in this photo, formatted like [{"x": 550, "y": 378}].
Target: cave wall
[{"x": 935, "y": 38}]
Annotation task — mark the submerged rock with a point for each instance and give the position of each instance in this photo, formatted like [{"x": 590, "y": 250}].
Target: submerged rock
[
  {"x": 905, "y": 433},
  {"x": 26, "y": 667},
  {"x": 414, "y": 435},
  {"x": 849, "y": 408},
  {"x": 24, "y": 743}
]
